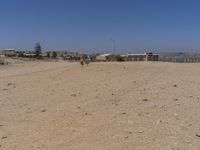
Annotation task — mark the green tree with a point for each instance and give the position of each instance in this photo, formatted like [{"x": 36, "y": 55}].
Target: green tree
[
  {"x": 38, "y": 50},
  {"x": 54, "y": 54},
  {"x": 48, "y": 54}
]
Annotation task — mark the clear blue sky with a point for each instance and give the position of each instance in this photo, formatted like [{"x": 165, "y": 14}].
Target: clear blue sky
[{"x": 168, "y": 25}]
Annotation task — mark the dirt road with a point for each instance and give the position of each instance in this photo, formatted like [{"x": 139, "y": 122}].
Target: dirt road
[{"x": 106, "y": 106}]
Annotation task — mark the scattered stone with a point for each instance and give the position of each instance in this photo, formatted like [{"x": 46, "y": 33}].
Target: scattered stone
[
  {"x": 198, "y": 133},
  {"x": 78, "y": 107},
  {"x": 43, "y": 110},
  {"x": 9, "y": 84},
  {"x": 86, "y": 114},
  {"x": 161, "y": 106},
  {"x": 141, "y": 131},
  {"x": 188, "y": 141},
  {"x": 123, "y": 113},
  {"x": 175, "y": 85},
  {"x": 178, "y": 104},
  {"x": 159, "y": 121},
  {"x": 175, "y": 99},
  {"x": 74, "y": 95},
  {"x": 126, "y": 137},
  {"x": 145, "y": 100},
  {"x": 4, "y": 137},
  {"x": 113, "y": 94}
]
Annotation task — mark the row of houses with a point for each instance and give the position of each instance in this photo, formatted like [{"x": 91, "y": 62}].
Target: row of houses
[
  {"x": 15, "y": 53},
  {"x": 66, "y": 55},
  {"x": 8, "y": 52}
]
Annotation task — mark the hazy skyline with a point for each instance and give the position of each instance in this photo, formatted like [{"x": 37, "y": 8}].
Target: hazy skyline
[{"x": 168, "y": 25}]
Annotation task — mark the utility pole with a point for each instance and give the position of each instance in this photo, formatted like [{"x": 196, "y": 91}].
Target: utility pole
[{"x": 114, "y": 45}]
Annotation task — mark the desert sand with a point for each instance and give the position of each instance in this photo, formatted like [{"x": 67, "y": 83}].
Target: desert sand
[{"x": 106, "y": 106}]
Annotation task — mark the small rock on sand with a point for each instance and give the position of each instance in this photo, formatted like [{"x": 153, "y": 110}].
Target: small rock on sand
[
  {"x": 159, "y": 121},
  {"x": 198, "y": 133},
  {"x": 126, "y": 137},
  {"x": 145, "y": 100},
  {"x": 74, "y": 95},
  {"x": 43, "y": 110},
  {"x": 175, "y": 99},
  {"x": 141, "y": 131},
  {"x": 9, "y": 83}
]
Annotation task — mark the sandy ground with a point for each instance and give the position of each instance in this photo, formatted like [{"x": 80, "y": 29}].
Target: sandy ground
[{"x": 106, "y": 106}]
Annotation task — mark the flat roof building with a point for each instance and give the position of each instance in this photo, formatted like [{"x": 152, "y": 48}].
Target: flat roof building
[
  {"x": 102, "y": 57},
  {"x": 9, "y": 52},
  {"x": 143, "y": 57}
]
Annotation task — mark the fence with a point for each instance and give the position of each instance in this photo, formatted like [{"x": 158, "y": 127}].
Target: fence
[{"x": 181, "y": 60}]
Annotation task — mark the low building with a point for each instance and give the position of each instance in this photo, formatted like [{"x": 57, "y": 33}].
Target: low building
[
  {"x": 29, "y": 54},
  {"x": 143, "y": 57},
  {"x": 152, "y": 57},
  {"x": 9, "y": 52},
  {"x": 102, "y": 57},
  {"x": 74, "y": 56}
]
